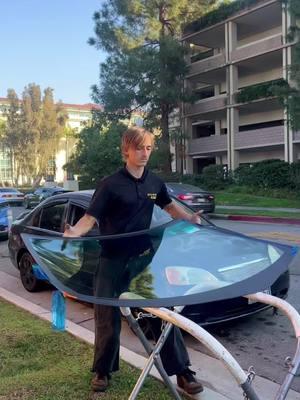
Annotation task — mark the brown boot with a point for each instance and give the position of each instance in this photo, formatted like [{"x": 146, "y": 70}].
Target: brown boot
[
  {"x": 99, "y": 383},
  {"x": 187, "y": 381}
]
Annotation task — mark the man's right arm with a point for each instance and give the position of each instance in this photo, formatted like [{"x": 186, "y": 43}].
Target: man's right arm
[{"x": 83, "y": 226}]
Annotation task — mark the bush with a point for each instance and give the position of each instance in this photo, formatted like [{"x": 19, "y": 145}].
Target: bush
[
  {"x": 268, "y": 174},
  {"x": 295, "y": 176},
  {"x": 271, "y": 174},
  {"x": 215, "y": 177}
]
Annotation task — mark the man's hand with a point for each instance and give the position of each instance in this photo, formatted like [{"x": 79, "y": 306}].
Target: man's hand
[
  {"x": 196, "y": 217},
  {"x": 178, "y": 212},
  {"x": 82, "y": 227},
  {"x": 70, "y": 231}
]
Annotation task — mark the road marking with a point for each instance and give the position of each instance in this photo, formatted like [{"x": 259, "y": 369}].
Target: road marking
[{"x": 277, "y": 236}]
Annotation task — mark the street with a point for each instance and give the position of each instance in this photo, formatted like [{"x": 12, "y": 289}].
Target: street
[{"x": 263, "y": 340}]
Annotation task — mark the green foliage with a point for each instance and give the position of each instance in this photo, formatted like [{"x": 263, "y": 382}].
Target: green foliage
[
  {"x": 265, "y": 174},
  {"x": 97, "y": 154},
  {"x": 2, "y": 128},
  {"x": 261, "y": 90},
  {"x": 295, "y": 176},
  {"x": 33, "y": 128},
  {"x": 224, "y": 11},
  {"x": 146, "y": 63},
  {"x": 215, "y": 177}
]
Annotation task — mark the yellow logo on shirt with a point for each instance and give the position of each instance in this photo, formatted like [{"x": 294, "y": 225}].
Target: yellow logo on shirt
[{"x": 152, "y": 196}]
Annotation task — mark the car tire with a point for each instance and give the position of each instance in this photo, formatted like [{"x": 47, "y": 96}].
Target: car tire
[{"x": 29, "y": 280}]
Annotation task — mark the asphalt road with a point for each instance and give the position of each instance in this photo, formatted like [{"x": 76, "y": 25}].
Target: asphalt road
[{"x": 263, "y": 340}]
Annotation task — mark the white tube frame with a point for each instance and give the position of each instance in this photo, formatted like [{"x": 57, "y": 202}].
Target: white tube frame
[{"x": 220, "y": 352}]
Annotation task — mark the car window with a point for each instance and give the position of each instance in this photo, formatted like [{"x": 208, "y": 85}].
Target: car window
[
  {"x": 160, "y": 217},
  {"x": 35, "y": 220},
  {"x": 76, "y": 212},
  {"x": 52, "y": 217}
]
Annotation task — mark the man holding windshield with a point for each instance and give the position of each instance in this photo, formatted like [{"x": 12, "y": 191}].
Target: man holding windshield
[{"x": 123, "y": 203}]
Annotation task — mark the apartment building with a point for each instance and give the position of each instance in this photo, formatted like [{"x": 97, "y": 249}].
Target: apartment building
[{"x": 245, "y": 53}]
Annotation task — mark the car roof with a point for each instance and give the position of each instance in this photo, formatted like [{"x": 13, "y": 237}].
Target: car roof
[
  {"x": 53, "y": 188},
  {"x": 184, "y": 186},
  {"x": 7, "y": 189},
  {"x": 87, "y": 194}
]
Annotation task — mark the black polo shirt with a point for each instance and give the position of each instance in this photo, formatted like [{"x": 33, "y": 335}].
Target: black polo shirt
[{"x": 123, "y": 203}]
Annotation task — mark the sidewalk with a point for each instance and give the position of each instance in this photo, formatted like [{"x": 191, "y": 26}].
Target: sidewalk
[{"x": 218, "y": 382}]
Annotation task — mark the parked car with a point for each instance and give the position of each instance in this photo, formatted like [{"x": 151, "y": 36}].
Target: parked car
[
  {"x": 49, "y": 219},
  {"x": 8, "y": 212},
  {"x": 4, "y": 219},
  {"x": 11, "y": 194},
  {"x": 192, "y": 196},
  {"x": 33, "y": 199}
]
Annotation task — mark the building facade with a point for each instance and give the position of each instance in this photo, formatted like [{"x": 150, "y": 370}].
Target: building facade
[{"x": 233, "y": 64}]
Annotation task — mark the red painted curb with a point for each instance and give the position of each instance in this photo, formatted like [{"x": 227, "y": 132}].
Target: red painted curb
[{"x": 274, "y": 220}]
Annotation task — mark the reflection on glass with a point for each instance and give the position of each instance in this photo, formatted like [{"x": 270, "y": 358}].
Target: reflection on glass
[{"x": 166, "y": 262}]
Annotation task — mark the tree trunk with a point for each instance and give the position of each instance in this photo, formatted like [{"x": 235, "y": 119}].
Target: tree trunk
[
  {"x": 37, "y": 181},
  {"x": 166, "y": 137},
  {"x": 164, "y": 122}
]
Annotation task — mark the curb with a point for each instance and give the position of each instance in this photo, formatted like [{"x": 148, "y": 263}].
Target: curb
[{"x": 257, "y": 218}]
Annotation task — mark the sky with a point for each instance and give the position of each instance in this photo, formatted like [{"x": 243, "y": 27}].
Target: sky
[{"x": 45, "y": 42}]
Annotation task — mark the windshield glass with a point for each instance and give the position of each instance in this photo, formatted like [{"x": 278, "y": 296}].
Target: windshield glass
[{"x": 178, "y": 263}]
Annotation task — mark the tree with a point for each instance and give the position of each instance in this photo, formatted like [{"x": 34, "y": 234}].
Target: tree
[
  {"x": 146, "y": 65},
  {"x": 33, "y": 128},
  {"x": 97, "y": 153},
  {"x": 12, "y": 137}
]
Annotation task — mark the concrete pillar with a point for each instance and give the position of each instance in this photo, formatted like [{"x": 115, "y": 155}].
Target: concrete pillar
[
  {"x": 219, "y": 160},
  {"x": 218, "y": 128},
  {"x": 232, "y": 87},
  {"x": 232, "y": 130},
  {"x": 289, "y": 150},
  {"x": 187, "y": 161}
]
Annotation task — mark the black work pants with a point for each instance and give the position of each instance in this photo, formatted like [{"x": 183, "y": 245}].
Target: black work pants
[
  {"x": 112, "y": 278},
  {"x": 174, "y": 355}
]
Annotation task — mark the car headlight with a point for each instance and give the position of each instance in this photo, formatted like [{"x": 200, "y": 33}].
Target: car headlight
[{"x": 179, "y": 275}]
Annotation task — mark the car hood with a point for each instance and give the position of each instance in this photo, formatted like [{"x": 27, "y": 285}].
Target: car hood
[{"x": 175, "y": 264}]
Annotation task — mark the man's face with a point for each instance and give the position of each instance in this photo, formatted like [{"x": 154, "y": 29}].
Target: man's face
[{"x": 139, "y": 156}]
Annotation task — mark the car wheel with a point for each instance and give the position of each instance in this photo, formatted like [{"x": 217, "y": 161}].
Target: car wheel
[{"x": 29, "y": 280}]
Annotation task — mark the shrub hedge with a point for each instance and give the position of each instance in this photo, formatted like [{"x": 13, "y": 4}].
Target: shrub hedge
[{"x": 268, "y": 175}]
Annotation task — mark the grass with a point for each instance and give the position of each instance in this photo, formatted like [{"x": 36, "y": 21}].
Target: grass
[
  {"x": 264, "y": 213},
  {"x": 37, "y": 363},
  {"x": 251, "y": 200}
]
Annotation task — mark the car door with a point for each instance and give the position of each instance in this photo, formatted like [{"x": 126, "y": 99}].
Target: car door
[{"x": 90, "y": 250}]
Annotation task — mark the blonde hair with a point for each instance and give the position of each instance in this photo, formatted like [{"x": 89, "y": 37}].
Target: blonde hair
[{"x": 134, "y": 136}]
